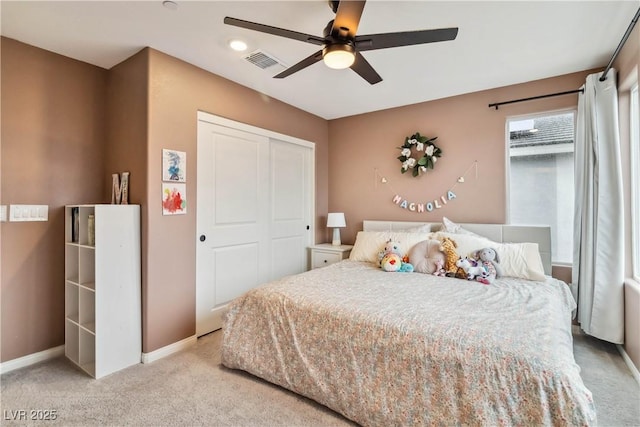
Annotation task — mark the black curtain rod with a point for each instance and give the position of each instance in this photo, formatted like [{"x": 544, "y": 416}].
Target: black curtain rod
[
  {"x": 603, "y": 77},
  {"x": 619, "y": 48},
  {"x": 569, "y": 92}
]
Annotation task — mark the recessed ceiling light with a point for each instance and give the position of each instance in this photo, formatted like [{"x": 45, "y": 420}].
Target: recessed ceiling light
[
  {"x": 238, "y": 45},
  {"x": 171, "y": 5}
]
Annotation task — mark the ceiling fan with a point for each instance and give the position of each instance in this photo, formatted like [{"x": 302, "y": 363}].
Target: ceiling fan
[{"x": 341, "y": 46}]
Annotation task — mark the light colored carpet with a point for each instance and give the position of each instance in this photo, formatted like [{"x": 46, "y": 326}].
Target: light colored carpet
[{"x": 191, "y": 388}]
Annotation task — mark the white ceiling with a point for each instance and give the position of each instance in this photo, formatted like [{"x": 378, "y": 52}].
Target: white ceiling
[{"x": 499, "y": 43}]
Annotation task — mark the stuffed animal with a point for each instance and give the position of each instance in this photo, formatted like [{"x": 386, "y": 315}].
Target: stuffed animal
[
  {"x": 488, "y": 259},
  {"x": 425, "y": 255},
  {"x": 448, "y": 248},
  {"x": 440, "y": 271},
  {"x": 390, "y": 247},
  {"x": 471, "y": 267},
  {"x": 406, "y": 267},
  {"x": 392, "y": 259},
  {"x": 459, "y": 274},
  {"x": 391, "y": 262}
]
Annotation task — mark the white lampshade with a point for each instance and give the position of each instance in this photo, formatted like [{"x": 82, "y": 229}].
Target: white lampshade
[{"x": 336, "y": 220}]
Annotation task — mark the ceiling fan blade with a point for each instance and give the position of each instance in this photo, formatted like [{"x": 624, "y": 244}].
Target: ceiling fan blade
[
  {"x": 365, "y": 70},
  {"x": 308, "y": 38},
  {"x": 407, "y": 38},
  {"x": 347, "y": 17},
  {"x": 309, "y": 60}
]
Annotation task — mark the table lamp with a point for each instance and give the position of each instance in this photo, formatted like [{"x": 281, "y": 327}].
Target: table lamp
[{"x": 336, "y": 221}]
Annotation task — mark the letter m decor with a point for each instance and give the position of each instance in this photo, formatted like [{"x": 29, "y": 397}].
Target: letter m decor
[{"x": 120, "y": 189}]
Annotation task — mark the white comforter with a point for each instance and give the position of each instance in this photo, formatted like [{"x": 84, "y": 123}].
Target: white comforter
[{"x": 413, "y": 349}]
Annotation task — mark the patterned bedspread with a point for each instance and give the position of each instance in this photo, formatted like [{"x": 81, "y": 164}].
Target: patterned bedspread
[{"x": 413, "y": 349}]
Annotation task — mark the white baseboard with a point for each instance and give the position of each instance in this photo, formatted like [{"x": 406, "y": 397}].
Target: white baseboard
[
  {"x": 169, "y": 349},
  {"x": 629, "y": 362},
  {"x": 30, "y": 359}
]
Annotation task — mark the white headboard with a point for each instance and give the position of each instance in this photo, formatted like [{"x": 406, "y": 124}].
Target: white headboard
[{"x": 501, "y": 233}]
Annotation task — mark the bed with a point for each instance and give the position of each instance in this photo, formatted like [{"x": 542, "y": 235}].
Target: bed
[{"x": 416, "y": 349}]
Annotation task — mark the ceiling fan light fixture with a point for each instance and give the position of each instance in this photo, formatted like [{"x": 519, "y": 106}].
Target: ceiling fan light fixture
[
  {"x": 339, "y": 56},
  {"x": 341, "y": 46}
]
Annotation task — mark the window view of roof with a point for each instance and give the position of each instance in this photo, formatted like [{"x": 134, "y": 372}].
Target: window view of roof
[{"x": 547, "y": 130}]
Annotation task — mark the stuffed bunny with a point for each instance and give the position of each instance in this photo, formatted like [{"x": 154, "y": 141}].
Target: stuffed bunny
[{"x": 488, "y": 258}]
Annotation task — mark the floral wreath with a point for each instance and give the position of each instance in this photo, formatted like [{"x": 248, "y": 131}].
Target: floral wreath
[{"x": 419, "y": 164}]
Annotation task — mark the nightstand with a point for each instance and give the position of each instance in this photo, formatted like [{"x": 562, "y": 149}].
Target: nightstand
[{"x": 326, "y": 254}]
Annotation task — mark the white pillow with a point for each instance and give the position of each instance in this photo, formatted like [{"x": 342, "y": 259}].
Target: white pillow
[
  {"x": 420, "y": 229},
  {"x": 451, "y": 227},
  {"x": 369, "y": 243},
  {"x": 516, "y": 259},
  {"x": 521, "y": 260}
]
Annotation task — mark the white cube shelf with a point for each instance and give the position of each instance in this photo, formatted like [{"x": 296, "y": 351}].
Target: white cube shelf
[{"x": 103, "y": 332}]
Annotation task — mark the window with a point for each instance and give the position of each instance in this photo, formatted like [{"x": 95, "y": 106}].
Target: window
[
  {"x": 634, "y": 142},
  {"x": 541, "y": 177}
]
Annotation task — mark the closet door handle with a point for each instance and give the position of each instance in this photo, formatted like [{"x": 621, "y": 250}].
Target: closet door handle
[{"x": 203, "y": 237}]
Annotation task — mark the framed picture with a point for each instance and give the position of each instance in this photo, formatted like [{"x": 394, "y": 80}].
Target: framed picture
[
  {"x": 174, "y": 198},
  {"x": 174, "y": 165}
]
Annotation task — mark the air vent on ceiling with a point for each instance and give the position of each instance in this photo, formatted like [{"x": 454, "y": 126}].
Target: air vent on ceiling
[{"x": 264, "y": 60}]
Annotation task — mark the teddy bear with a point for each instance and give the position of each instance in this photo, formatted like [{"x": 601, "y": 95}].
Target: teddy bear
[
  {"x": 448, "y": 248},
  {"x": 489, "y": 260},
  {"x": 391, "y": 259},
  {"x": 425, "y": 255}
]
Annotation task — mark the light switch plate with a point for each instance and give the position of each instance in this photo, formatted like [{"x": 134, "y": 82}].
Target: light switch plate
[
  {"x": 24, "y": 213},
  {"x": 3, "y": 213}
]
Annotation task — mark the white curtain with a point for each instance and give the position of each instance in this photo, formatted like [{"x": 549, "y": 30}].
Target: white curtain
[{"x": 598, "y": 251}]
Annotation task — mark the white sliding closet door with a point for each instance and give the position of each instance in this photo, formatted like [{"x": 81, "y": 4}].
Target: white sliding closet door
[
  {"x": 254, "y": 204},
  {"x": 290, "y": 202}
]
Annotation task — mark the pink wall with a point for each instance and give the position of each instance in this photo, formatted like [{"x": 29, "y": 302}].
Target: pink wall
[
  {"x": 467, "y": 130},
  {"x": 127, "y": 135},
  {"x": 127, "y": 116},
  {"x": 53, "y": 126}
]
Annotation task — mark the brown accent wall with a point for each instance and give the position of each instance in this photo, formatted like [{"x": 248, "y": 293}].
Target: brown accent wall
[
  {"x": 627, "y": 65},
  {"x": 177, "y": 92},
  {"x": 127, "y": 105},
  {"x": 53, "y": 134},
  {"x": 467, "y": 131},
  {"x": 128, "y": 118}
]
